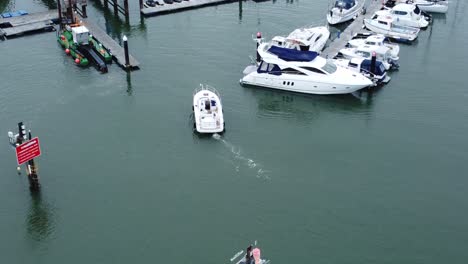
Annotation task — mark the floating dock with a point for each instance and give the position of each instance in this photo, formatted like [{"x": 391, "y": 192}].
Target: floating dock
[
  {"x": 14, "y": 26},
  {"x": 111, "y": 45},
  {"x": 177, "y": 7},
  {"x": 356, "y": 26}
]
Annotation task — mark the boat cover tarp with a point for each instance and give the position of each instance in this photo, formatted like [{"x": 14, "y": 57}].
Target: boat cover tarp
[{"x": 292, "y": 54}]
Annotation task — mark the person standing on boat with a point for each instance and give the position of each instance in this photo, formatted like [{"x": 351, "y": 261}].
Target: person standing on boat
[{"x": 248, "y": 255}]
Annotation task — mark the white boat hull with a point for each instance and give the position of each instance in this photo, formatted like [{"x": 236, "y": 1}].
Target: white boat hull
[
  {"x": 208, "y": 112},
  {"x": 432, "y": 7},
  {"x": 335, "y": 16},
  {"x": 408, "y": 36},
  {"x": 298, "y": 85}
]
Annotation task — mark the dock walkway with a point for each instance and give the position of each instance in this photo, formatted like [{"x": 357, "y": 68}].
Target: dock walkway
[
  {"x": 28, "y": 23},
  {"x": 355, "y": 27},
  {"x": 110, "y": 44},
  {"x": 175, "y": 7}
]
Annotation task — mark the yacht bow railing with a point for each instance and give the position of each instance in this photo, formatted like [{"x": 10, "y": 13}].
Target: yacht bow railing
[{"x": 208, "y": 88}]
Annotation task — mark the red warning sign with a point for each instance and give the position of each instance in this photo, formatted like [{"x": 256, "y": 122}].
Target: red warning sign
[{"x": 28, "y": 151}]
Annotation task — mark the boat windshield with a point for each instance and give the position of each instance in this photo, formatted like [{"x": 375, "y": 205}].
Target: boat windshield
[
  {"x": 329, "y": 67},
  {"x": 346, "y": 4}
]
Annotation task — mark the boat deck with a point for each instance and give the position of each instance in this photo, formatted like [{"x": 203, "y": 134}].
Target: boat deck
[
  {"x": 356, "y": 26},
  {"x": 110, "y": 44},
  {"x": 176, "y": 7},
  {"x": 36, "y": 22}
]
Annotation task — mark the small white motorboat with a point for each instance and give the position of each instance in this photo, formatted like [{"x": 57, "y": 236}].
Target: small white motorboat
[
  {"x": 386, "y": 26},
  {"x": 378, "y": 40},
  {"x": 406, "y": 15},
  {"x": 374, "y": 70},
  {"x": 365, "y": 51},
  {"x": 343, "y": 10},
  {"x": 432, "y": 6},
  {"x": 306, "y": 39},
  {"x": 207, "y": 110},
  {"x": 251, "y": 256}
]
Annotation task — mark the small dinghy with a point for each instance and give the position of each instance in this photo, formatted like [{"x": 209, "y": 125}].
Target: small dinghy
[{"x": 207, "y": 111}]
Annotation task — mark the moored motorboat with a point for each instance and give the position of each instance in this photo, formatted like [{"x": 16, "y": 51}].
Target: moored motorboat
[
  {"x": 432, "y": 6},
  {"x": 302, "y": 72},
  {"x": 343, "y": 10},
  {"x": 375, "y": 40},
  {"x": 372, "y": 69},
  {"x": 207, "y": 111},
  {"x": 306, "y": 38},
  {"x": 366, "y": 51},
  {"x": 386, "y": 26},
  {"x": 406, "y": 15}
]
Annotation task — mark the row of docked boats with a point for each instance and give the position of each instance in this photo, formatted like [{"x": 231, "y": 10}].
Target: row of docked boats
[
  {"x": 293, "y": 63},
  {"x": 345, "y": 10}
]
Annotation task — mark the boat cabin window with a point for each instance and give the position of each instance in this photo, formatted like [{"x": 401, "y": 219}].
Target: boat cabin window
[
  {"x": 329, "y": 67},
  {"x": 292, "y": 71},
  {"x": 370, "y": 43},
  {"x": 354, "y": 65},
  {"x": 269, "y": 68},
  {"x": 346, "y": 4},
  {"x": 312, "y": 69},
  {"x": 364, "y": 54},
  {"x": 400, "y": 13},
  {"x": 383, "y": 22}
]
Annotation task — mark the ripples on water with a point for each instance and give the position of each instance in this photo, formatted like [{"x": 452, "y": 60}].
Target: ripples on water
[{"x": 243, "y": 161}]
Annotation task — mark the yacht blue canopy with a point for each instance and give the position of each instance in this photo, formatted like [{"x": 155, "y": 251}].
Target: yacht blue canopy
[{"x": 292, "y": 54}]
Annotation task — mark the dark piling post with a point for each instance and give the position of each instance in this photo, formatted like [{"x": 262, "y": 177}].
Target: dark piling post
[
  {"x": 21, "y": 133},
  {"x": 116, "y": 7},
  {"x": 59, "y": 7},
  {"x": 70, "y": 11},
  {"x": 83, "y": 8},
  {"x": 106, "y": 3},
  {"x": 32, "y": 173},
  {"x": 127, "y": 13},
  {"x": 127, "y": 59},
  {"x": 259, "y": 39},
  {"x": 141, "y": 4}
]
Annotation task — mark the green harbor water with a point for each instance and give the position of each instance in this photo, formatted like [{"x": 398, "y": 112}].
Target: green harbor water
[{"x": 381, "y": 178}]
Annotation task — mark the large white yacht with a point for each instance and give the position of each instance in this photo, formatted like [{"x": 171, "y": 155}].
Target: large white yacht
[
  {"x": 343, "y": 10},
  {"x": 306, "y": 38},
  {"x": 302, "y": 72},
  {"x": 406, "y": 15}
]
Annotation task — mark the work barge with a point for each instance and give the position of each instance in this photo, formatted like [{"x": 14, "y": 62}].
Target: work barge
[{"x": 69, "y": 13}]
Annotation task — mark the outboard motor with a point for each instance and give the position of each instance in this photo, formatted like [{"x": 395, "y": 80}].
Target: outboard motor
[{"x": 394, "y": 64}]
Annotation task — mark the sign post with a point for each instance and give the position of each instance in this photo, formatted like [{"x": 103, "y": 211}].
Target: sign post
[{"x": 27, "y": 148}]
